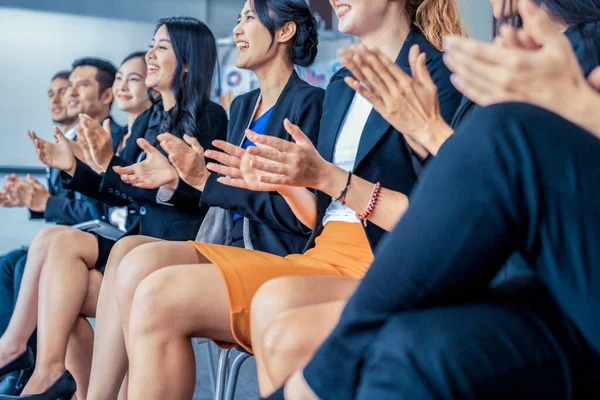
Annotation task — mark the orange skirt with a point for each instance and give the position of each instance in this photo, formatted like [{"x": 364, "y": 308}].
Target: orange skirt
[{"x": 342, "y": 249}]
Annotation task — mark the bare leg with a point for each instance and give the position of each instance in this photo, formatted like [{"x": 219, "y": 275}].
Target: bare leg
[
  {"x": 281, "y": 295},
  {"x": 24, "y": 318},
  {"x": 79, "y": 355},
  {"x": 124, "y": 386},
  {"x": 293, "y": 338},
  {"x": 109, "y": 364},
  {"x": 65, "y": 287},
  {"x": 170, "y": 307},
  {"x": 143, "y": 261}
]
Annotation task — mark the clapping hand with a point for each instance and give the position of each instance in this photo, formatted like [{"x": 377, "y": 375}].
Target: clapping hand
[
  {"x": 409, "y": 104},
  {"x": 235, "y": 166},
  {"x": 151, "y": 173},
  {"x": 57, "y": 155},
  {"x": 187, "y": 156},
  {"x": 99, "y": 140}
]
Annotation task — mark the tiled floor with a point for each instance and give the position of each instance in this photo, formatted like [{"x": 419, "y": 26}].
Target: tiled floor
[{"x": 16, "y": 230}]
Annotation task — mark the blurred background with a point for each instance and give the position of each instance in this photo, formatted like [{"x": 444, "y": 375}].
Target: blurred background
[{"x": 40, "y": 37}]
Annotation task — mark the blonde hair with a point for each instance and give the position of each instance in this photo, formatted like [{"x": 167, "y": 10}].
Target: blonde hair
[{"x": 436, "y": 19}]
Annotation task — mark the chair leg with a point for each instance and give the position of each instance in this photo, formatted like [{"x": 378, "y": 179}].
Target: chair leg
[
  {"x": 234, "y": 374},
  {"x": 211, "y": 368},
  {"x": 222, "y": 368}
]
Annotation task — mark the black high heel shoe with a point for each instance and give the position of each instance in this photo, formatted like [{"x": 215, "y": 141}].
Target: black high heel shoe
[
  {"x": 23, "y": 362},
  {"x": 63, "y": 388}
]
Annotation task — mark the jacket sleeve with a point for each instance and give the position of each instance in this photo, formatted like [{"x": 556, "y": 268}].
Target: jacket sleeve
[
  {"x": 70, "y": 211},
  {"x": 269, "y": 208},
  {"x": 212, "y": 127},
  {"x": 87, "y": 182},
  {"x": 112, "y": 186}
]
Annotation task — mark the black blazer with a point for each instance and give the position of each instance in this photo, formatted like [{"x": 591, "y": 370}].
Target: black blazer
[
  {"x": 273, "y": 227},
  {"x": 145, "y": 215},
  {"x": 383, "y": 154},
  {"x": 68, "y": 207}
]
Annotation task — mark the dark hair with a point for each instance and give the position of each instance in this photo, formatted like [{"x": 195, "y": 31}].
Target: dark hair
[
  {"x": 570, "y": 12},
  {"x": 61, "y": 75},
  {"x": 273, "y": 14},
  {"x": 195, "y": 48},
  {"x": 573, "y": 12},
  {"x": 136, "y": 54},
  {"x": 106, "y": 71}
]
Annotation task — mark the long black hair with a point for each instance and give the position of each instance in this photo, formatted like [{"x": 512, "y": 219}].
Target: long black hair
[
  {"x": 195, "y": 50},
  {"x": 273, "y": 14},
  {"x": 570, "y": 12}
]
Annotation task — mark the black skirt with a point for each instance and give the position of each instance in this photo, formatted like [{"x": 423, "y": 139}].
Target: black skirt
[{"x": 104, "y": 247}]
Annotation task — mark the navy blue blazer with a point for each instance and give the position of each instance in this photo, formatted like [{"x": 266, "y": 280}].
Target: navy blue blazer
[
  {"x": 68, "y": 207},
  {"x": 145, "y": 215},
  {"x": 383, "y": 154},
  {"x": 273, "y": 227}
]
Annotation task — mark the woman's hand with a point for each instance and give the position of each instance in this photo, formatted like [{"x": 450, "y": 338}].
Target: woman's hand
[
  {"x": 286, "y": 163},
  {"x": 187, "y": 156},
  {"x": 151, "y": 173},
  {"x": 81, "y": 149},
  {"x": 410, "y": 105},
  {"x": 57, "y": 155},
  {"x": 235, "y": 165},
  {"x": 99, "y": 141},
  {"x": 547, "y": 75}
]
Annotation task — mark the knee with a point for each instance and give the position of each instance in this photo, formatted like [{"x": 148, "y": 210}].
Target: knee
[
  {"x": 281, "y": 342},
  {"x": 65, "y": 243},
  {"x": 149, "y": 308},
  {"x": 270, "y": 301},
  {"x": 118, "y": 252},
  {"x": 46, "y": 236},
  {"x": 132, "y": 270}
]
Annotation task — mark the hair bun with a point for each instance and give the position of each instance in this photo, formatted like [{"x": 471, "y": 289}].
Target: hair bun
[{"x": 306, "y": 43}]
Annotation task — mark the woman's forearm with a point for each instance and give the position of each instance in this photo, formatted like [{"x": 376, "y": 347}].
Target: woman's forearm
[
  {"x": 303, "y": 204},
  {"x": 390, "y": 206}
]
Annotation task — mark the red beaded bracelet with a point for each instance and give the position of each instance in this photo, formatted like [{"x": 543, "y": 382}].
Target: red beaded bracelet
[{"x": 374, "y": 196}]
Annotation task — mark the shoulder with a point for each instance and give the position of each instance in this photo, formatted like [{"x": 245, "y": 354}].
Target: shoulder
[
  {"x": 307, "y": 93},
  {"x": 339, "y": 75},
  {"x": 244, "y": 101},
  {"x": 212, "y": 111}
]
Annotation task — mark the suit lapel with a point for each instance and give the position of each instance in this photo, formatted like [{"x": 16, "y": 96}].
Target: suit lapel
[
  {"x": 333, "y": 117},
  {"x": 464, "y": 105},
  {"x": 246, "y": 113},
  {"x": 273, "y": 122},
  {"x": 376, "y": 127}
]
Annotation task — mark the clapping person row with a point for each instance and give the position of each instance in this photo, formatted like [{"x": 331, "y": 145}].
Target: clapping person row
[{"x": 416, "y": 230}]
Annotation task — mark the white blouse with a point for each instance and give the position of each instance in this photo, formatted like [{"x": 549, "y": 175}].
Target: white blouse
[{"x": 345, "y": 152}]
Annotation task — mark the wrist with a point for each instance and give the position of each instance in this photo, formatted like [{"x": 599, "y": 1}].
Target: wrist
[
  {"x": 439, "y": 132},
  {"x": 174, "y": 182},
  {"x": 202, "y": 180},
  {"x": 333, "y": 180},
  {"x": 71, "y": 170}
]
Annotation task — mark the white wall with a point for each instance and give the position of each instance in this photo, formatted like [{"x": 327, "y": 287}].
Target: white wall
[{"x": 35, "y": 46}]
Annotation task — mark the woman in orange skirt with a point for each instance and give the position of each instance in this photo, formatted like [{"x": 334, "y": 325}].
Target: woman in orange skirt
[{"x": 208, "y": 289}]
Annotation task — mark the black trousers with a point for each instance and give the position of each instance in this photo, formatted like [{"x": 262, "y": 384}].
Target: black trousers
[
  {"x": 424, "y": 324},
  {"x": 12, "y": 266}
]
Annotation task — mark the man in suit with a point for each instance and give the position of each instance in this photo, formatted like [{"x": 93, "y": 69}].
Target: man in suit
[{"x": 87, "y": 89}]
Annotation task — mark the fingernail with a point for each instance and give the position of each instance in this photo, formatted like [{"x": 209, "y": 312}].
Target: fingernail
[{"x": 448, "y": 42}]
